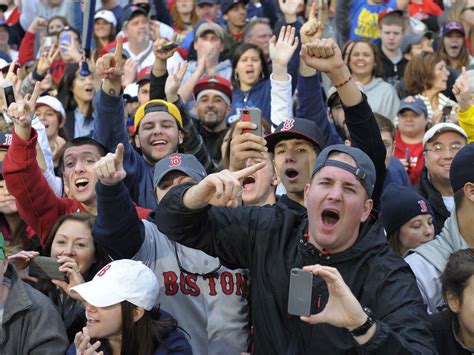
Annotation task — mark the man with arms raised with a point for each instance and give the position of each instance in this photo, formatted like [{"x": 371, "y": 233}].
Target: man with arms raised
[{"x": 338, "y": 242}]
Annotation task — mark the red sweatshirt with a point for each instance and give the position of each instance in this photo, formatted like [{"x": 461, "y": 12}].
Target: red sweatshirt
[
  {"x": 414, "y": 153},
  {"x": 36, "y": 202}
]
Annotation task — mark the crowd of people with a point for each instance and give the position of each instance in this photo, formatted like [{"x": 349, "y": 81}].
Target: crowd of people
[{"x": 168, "y": 166}]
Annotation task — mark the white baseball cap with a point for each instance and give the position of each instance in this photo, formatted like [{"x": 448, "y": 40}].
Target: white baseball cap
[
  {"x": 440, "y": 128},
  {"x": 52, "y": 102},
  {"x": 118, "y": 281},
  {"x": 107, "y": 16},
  {"x": 131, "y": 91}
]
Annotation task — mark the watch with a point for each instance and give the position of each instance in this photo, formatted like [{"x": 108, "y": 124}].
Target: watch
[{"x": 364, "y": 328}]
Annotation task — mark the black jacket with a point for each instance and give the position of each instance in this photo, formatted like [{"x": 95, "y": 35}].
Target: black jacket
[
  {"x": 391, "y": 73},
  {"x": 446, "y": 343},
  {"x": 269, "y": 241},
  {"x": 428, "y": 191}
]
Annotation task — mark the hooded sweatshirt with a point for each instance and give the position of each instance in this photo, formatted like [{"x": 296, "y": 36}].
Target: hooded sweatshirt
[
  {"x": 429, "y": 260},
  {"x": 382, "y": 97}
]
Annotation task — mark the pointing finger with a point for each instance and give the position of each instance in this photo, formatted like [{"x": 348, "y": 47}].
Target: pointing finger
[
  {"x": 249, "y": 170},
  {"x": 118, "y": 50}
]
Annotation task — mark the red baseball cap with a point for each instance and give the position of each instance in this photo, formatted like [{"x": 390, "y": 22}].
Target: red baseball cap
[
  {"x": 144, "y": 75},
  {"x": 213, "y": 82}
]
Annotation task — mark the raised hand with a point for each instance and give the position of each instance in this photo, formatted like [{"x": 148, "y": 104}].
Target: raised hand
[
  {"x": 70, "y": 267},
  {"x": 290, "y": 9},
  {"x": 22, "y": 111},
  {"x": 110, "y": 68},
  {"x": 282, "y": 50},
  {"x": 222, "y": 188},
  {"x": 38, "y": 24},
  {"x": 129, "y": 71},
  {"x": 462, "y": 92},
  {"x": 245, "y": 146},
  {"x": 46, "y": 59},
  {"x": 109, "y": 169},
  {"x": 22, "y": 261},
  {"x": 83, "y": 345},
  {"x": 311, "y": 29},
  {"x": 323, "y": 55},
  {"x": 343, "y": 309},
  {"x": 160, "y": 51},
  {"x": 174, "y": 82}
]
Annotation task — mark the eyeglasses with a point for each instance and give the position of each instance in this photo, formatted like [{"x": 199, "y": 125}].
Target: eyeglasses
[
  {"x": 439, "y": 148},
  {"x": 468, "y": 8}
]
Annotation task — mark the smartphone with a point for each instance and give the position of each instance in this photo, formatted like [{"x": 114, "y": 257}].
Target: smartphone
[
  {"x": 169, "y": 46},
  {"x": 8, "y": 92},
  {"x": 65, "y": 39},
  {"x": 301, "y": 289},
  {"x": 43, "y": 267},
  {"x": 446, "y": 112},
  {"x": 253, "y": 115},
  {"x": 48, "y": 42}
]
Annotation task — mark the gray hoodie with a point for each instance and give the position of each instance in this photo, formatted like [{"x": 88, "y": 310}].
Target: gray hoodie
[
  {"x": 429, "y": 260},
  {"x": 382, "y": 97}
]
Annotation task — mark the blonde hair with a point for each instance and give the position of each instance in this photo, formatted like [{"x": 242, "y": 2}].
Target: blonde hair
[{"x": 455, "y": 13}]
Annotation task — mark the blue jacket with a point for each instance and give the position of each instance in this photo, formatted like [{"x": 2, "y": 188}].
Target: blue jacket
[
  {"x": 174, "y": 340},
  {"x": 110, "y": 130},
  {"x": 257, "y": 97}
]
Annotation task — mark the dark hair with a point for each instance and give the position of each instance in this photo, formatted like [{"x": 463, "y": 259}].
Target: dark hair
[
  {"x": 239, "y": 51},
  {"x": 463, "y": 55},
  {"x": 459, "y": 198},
  {"x": 100, "y": 256},
  {"x": 68, "y": 28},
  {"x": 458, "y": 271},
  {"x": 61, "y": 18},
  {"x": 65, "y": 94},
  {"x": 80, "y": 141},
  {"x": 349, "y": 48},
  {"x": 110, "y": 39},
  {"x": 394, "y": 242},
  {"x": 145, "y": 335},
  {"x": 419, "y": 73},
  {"x": 385, "y": 125}
]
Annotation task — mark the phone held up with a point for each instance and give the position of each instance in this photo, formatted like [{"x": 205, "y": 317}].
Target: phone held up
[
  {"x": 8, "y": 92},
  {"x": 301, "y": 288},
  {"x": 253, "y": 115},
  {"x": 43, "y": 267}
]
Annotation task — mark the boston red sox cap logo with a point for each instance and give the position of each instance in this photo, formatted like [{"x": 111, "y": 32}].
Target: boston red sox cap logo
[
  {"x": 288, "y": 124},
  {"x": 104, "y": 270},
  {"x": 423, "y": 206},
  {"x": 175, "y": 160}
]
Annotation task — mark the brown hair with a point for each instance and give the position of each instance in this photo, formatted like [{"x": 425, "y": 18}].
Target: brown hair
[
  {"x": 394, "y": 242},
  {"x": 178, "y": 24},
  {"x": 458, "y": 271},
  {"x": 455, "y": 11},
  {"x": 393, "y": 18},
  {"x": 419, "y": 73},
  {"x": 349, "y": 48},
  {"x": 385, "y": 125},
  {"x": 463, "y": 55}
]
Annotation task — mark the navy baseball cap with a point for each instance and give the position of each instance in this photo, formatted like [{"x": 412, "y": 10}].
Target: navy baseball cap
[
  {"x": 452, "y": 26},
  {"x": 414, "y": 104},
  {"x": 462, "y": 168},
  {"x": 399, "y": 204},
  {"x": 226, "y": 5},
  {"x": 364, "y": 170},
  {"x": 203, "y": 2},
  {"x": 296, "y": 128},
  {"x": 414, "y": 38},
  {"x": 186, "y": 163}
]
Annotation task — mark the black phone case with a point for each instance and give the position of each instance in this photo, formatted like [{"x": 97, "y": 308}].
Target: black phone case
[{"x": 46, "y": 268}]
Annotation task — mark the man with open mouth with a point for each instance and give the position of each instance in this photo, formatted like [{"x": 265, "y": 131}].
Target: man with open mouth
[{"x": 364, "y": 298}]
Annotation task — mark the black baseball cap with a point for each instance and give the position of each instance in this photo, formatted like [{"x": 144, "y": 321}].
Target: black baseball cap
[
  {"x": 226, "y": 5},
  {"x": 364, "y": 170},
  {"x": 296, "y": 128},
  {"x": 462, "y": 168}
]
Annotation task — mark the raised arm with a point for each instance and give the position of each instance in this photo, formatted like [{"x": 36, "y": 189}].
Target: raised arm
[
  {"x": 325, "y": 56},
  {"x": 117, "y": 227}
]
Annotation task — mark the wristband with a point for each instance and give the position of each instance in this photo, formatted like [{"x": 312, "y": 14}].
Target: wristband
[
  {"x": 344, "y": 83},
  {"x": 36, "y": 76}
]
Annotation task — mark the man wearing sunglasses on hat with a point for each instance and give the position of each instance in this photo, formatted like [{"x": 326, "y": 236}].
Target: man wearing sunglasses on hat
[{"x": 207, "y": 299}]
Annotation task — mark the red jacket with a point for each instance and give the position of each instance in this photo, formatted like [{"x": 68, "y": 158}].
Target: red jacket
[{"x": 36, "y": 202}]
